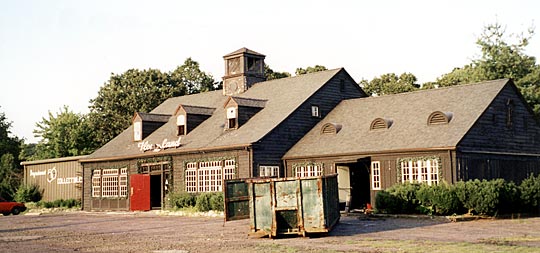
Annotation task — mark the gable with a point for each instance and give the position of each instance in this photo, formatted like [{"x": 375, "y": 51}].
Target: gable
[{"x": 507, "y": 125}]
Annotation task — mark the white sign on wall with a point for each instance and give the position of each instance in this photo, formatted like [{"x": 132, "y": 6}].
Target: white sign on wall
[{"x": 156, "y": 147}]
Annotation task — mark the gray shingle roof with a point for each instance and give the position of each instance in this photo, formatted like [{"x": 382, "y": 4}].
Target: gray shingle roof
[
  {"x": 199, "y": 110},
  {"x": 408, "y": 113},
  {"x": 154, "y": 117},
  {"x": 283, "y": 97}
]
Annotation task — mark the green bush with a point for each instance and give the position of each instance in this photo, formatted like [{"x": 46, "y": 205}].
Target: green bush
[
  {"x": 203, "y": 202},
  {"x": 68, "y": 203},
  {"x": 488, "y": 197},
  {"x": 216, "y": 201},
  {"x": 530, "y": 193},
  {"x": 400, "y": 198},
  {"x": 28, "y": 193},
  {"x": 438, "y": 199},
  {"x": 182, "y": 200}
]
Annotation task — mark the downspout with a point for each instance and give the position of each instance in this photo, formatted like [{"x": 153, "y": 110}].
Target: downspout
[
  {"x": 451, "y": 166},
  {"x": 250, "y": 154}
]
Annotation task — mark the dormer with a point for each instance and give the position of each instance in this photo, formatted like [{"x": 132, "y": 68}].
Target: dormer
[
  {"x": 240, "y": 110},
  {"x": 146, "y": 123},
  {"x": 188, "y": 117},
  {"x": 243, "y": 68}
]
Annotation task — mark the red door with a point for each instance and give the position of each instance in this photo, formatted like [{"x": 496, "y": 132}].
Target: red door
[{"x": 140, "y": 192}]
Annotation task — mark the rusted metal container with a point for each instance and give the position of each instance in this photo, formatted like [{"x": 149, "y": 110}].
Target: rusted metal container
[{"x": 280, "y": 206}]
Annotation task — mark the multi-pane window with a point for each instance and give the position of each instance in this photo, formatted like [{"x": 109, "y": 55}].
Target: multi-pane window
[
  {"x": 315, "y": 111},
  {"x": 376, "y": 175},
  {"x": 109, "y": 183},
  {"x": 420, "y": 171},
  {"x": 96, "y": 183},
  {"x": 209, "y": 176},
  {"x": 268, "y": 171},
  {"x": 308, "y": 170}
]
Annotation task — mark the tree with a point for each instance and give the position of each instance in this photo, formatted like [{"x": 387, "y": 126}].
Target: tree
[
  {"x": 9, "y": 153},
  {"x": 192, "y": 77},
  {"x": 141, "y": 91},
  {"x": 501, "y": 59},
  {"x": 271, "y": 75},
  {"x": 316, "y": 68},
  {"x": 63, "y": 134},
  {"x": 390, "y": 84}
]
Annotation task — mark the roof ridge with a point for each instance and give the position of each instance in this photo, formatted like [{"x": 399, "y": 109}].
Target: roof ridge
[{"x": 457, "y": 86}]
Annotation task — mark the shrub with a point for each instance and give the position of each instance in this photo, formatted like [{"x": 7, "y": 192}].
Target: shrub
[
  {"x": 438, "y": 199},
  {"x": 28, "y": 193},
  {"x": 530, "y": 193},
  {"x": 400, "y": 198},
  {"x": 68, "y": 203},
  {"x": 203, "y": 202},
  {"x": 216, "y": 201},
  {"x": 182, "y": 200}
]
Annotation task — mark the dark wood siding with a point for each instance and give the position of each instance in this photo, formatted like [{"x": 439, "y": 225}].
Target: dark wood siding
[
  {"x": 502, "y": 142},
  {"x": 243, "y": 169},
  {"x": 149, "y": 127},
  {"x": 245, "y": 113},
  {"x": 388, "y": 162},
  {"x": 273, "y": 146},
  {"x": 492, "y": 133},
  {"x": 194, "y": 120}
]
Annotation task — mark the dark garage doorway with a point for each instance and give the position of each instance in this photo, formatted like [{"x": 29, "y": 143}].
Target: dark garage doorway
[
  {"x": 354, "y": 184},
  {"x": 155, "y": 191}
]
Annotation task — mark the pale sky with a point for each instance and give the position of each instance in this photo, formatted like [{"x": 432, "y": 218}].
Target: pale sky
[{"x": 56, "y": 53}]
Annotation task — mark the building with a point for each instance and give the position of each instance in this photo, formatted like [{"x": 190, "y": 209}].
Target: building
[
  {"x": 477, "y": 131},
  {"x": 59, "y": 178},
  {"x": 192, "y": 143}
]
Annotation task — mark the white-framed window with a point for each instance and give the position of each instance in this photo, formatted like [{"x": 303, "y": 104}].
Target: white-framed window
[
  {"x": 268, "y": 171},
  {"x": 208, "y": 176},
  {"x": 137, "y": 131},
  {"x": 181, "y": 124},
  {"x": 308, "y": 170},
  {"x": 315, "y": 111},
  {"x": 109, "y": 183},
  {"x": 96, "y": 183},
  {"x": 376, "y": 175},
  {"x": 420, "y": 171}
]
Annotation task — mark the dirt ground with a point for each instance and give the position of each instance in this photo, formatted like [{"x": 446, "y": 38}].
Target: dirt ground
[{"x": 154, "y": 232}]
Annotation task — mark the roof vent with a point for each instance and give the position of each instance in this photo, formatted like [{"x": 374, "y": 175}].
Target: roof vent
[
  {"x": 331, "y": 128},
  {"x": 380, "y": 123},
  {"x": 438, "y": 117}
]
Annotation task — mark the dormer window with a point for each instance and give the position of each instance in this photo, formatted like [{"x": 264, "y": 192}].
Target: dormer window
[
  {"x": 137, "y": 131},
  {"x": 188, "y": 117},
  {"x": 181, "y": 124},
  {"x": 145, "y": 124},
  {"x": 232, "y": 117}
]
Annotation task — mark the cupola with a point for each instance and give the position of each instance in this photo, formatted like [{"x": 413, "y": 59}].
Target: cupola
[{"x": 243, "y": 68}]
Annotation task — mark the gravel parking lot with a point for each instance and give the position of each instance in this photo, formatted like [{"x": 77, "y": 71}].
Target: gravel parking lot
[{"x": 156, "y": 232}]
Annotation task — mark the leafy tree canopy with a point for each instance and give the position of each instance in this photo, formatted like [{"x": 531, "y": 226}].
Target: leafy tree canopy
[
  {"x": 390, "y": 84},
  {"x": 316, "y": 68},
  {"x": 271, "y": 75},
  {"x": 63, "y": 134},
  {"x": 9, "y": 152},
  {"x": 141, "y": 91}
]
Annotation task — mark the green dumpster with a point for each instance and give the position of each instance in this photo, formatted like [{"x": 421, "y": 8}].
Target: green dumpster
[{"x": 280, "y": 206}]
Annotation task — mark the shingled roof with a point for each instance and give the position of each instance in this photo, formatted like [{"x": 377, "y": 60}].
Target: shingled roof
[
  {"x": 408, "y": 114},
  {"x": 282, "y": 97}
]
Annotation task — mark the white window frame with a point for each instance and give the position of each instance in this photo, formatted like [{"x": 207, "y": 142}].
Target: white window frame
[
  {"x": 109, "y": 183},
  {"x": 315, "y": 112},
  {"x": 137, "y": 131},
  {"x": 268, "y": 171},
  {"x": 420, "y": 171},
  {"x": 376, "y": 175},
  {"x": 208, "y": 176},
  {"x": 308, "y": 171}
]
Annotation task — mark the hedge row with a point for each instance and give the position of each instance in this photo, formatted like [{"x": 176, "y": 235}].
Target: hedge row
[
  {"x": 474, "y": 197},
  {"x": 202, "y": 202},
  {"x": 66, "y": 203}
]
